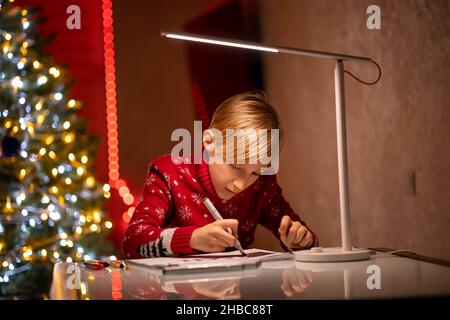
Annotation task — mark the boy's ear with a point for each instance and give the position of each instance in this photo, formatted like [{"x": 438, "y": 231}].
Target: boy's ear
[{"x": 208, "y": 140}]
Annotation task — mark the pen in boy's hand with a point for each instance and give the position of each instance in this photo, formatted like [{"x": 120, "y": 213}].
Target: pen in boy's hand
[{"x": 216, "y": 215}]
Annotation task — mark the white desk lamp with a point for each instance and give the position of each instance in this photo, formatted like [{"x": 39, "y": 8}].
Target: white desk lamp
[{"x": 347, "y": 252}]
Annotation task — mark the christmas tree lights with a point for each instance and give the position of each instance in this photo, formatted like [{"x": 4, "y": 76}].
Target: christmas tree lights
[{"x": 51, "y": 204}]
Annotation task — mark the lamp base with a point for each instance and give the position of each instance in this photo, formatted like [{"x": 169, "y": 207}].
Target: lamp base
[{"x": 334, "y": 254}]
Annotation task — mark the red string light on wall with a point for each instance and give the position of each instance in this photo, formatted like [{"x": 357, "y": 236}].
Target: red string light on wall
[{"x": 111, "y": 112}]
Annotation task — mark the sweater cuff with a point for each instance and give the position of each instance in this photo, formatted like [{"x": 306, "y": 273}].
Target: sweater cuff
[{"x": 181, "y": 240}]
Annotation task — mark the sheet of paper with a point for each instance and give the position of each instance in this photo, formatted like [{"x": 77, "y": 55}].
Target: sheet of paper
[
  {"x": 263, "y": 255},
  {"x": 231, "y": 257},
  {"x": 206, "y": 266},
  {"x": 181, "y": 276}
]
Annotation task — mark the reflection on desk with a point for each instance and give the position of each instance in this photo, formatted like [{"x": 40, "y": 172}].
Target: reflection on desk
[{"x": 399, "y": 277}]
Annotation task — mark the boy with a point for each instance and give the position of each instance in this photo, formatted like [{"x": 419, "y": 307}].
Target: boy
[{"x": 171, "y": 218}]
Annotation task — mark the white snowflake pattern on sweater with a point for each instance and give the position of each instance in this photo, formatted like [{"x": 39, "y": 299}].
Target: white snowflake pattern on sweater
[
  {"x": 185, "y": 171},
  {"x": 139, "y": 229},
  {"x": 161, "y": 213},
  {"x": 167, "y": 177},
  {"x": 184, "y": 212},
  {"x": 151, "y": 179},
  {"x": 247, "y": 226},
  {"x": 275, "y": 212},
  {"x": 136, "y": 222},
  {"x": 258, "y": 185},
  {"x": 230, "y": 209},
  {"x": 197, "y": 198}
]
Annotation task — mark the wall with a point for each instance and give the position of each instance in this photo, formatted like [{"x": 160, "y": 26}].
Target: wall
[
  {"x": 153, "y": 81},
  {"x": 398, "y": 129}
]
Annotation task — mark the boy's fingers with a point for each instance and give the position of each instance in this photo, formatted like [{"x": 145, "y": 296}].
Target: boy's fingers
[
  {"x": 226, "y": 237},
  {"x": 284, "y": 225},
  {"x": 307, "y": 240},
  {"x": 230, "y": 240},
  {"x": 300, "y": 235},
  {"x": 292, "y": 233},
  {"x": 216, "y": 242},
  {"x": 229, "y": 223},
  {"x": 219, "y": 241},
  {"x": 217, "y": 249}
]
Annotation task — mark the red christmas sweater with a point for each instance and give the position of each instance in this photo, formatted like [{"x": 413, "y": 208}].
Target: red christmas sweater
[{"x": 171, "y": 208}]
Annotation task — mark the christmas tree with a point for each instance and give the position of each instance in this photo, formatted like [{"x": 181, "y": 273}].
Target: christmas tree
[{"x": 51, "y": 205}]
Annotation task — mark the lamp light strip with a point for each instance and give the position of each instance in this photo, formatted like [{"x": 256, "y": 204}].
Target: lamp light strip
[{"x": 222, "y": 43}]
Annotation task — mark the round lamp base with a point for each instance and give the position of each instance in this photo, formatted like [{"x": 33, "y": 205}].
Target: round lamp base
[{"x": 336, "y": 254}]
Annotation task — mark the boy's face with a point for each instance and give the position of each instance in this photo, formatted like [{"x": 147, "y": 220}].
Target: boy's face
[{"x": 230, "y": 179}]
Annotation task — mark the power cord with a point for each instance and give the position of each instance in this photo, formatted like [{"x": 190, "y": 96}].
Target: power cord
[
  {"x": 387, "y": 253},
  {"x": 365, "y": 82}
]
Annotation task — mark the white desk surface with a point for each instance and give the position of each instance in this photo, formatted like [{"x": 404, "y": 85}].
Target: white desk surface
[{"x": 400, "y": 277}]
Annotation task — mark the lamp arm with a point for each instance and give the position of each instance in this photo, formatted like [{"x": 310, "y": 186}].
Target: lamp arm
[{"x": 260, "y": 46}]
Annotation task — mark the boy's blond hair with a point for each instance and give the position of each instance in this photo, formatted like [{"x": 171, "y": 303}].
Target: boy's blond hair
[{"x": 249, "y": 110}]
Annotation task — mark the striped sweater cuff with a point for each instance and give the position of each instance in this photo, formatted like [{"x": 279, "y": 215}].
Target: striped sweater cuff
[{"x": 181, "y": 240}]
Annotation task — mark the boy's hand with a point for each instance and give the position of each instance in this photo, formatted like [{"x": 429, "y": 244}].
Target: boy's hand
[
  {"x": 294, "y": 235},
  {"x": 213, "y": 237}
]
